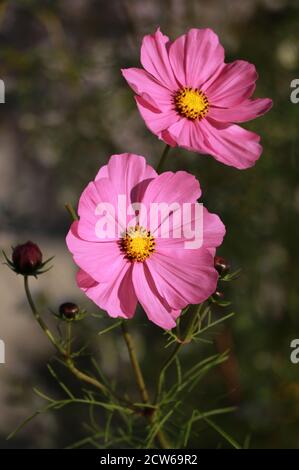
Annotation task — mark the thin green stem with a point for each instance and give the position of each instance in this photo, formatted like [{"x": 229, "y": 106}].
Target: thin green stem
[
  {"x": 163, "y": 441},
  {"x": 163, "y": 158},
  {"x": 69, "y": 338},
  {"x": 71, "y": 211},
  {"x": 84, "y": 377},
  {"x": 60, "y": 349},
  {"x": 135, "y": 364},
  {"x": 164, "y": 368},
  {"x": 39, "y": 319},
  {"x": 191, "y": 323},
  {"x": 188, "y": 335}
]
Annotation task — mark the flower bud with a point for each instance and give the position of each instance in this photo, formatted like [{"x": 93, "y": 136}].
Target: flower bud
[
  {"x": 221, "y": 265},
  {"x": 27, "y": 258},
  {"x": 218, "y": 295},
  {"x": 68, "y": 310}
]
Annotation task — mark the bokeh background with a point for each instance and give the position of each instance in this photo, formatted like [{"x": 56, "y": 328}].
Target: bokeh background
[{"x": 67, "y": 110}]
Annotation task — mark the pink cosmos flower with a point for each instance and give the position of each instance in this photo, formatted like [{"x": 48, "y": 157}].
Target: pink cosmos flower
[
  {"x": 142, "y": 265},
  {"x": 188, "y": 96}
]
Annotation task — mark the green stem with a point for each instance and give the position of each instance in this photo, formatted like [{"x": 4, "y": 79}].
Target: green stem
[
  {"x": 69, "y": 338},
  {"x": 164, "y": 368},
  {"x": 71, "y": 211},
  {"x": 84, "y": 377},
  {"x": 135, "y": 364},
  {"x": 191, "y": 323},
  {"x": 178, "y": 346},
  {"x": 39, "y": 320},
  {"x": 163, "y": 158},
  {"x": 163, "y": 441},
  {"x": 60, "y": 349}
]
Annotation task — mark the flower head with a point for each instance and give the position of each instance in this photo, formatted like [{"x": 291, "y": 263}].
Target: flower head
[
  {"x": 143, "y": 258},
  {"x": 188, "y": 96}
]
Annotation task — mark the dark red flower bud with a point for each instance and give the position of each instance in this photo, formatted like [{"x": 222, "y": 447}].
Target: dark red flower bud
[
  {"x": 218, "y": 295},
  {"x": 68, "y": 310},
  {"x": 27, "y": 258},
  {"x": 221, "y": 265}
]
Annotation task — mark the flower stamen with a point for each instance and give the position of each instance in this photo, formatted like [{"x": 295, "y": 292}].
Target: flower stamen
[
  {"x": 138, "y": 243},
  {"x": 191, "y": 103}
]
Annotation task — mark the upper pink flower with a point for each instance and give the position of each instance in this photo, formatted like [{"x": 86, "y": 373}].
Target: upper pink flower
[
  {"x": 141, "y": 264},
  {"x": 188, "y": 96}
]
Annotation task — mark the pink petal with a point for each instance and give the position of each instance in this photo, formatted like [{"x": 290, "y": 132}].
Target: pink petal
[
  {"x": 155, "y": 60},
  {"x": 154, "y": 305},
  {"x": 98, "y": 192},
  {"x": 189, "y": 135},
  {"x": 172, "y": 187},
  {"x": 148, "y": 88},
  {"x": 231, "y": 144},
  {"x": 183, "y": 276},
  {"x": 179, "y": 132},
  {"x": 129, "y": 174},
  {"x": 234, "y": 83},
  {"x": 196, "y": 56},
  {"x": 247, "y": 110},
  {"x": 212, "y": 251},
  {"x": 101, "y": 260},
  {"x": 179, "y": 233},
  {"x": 157, "y": 122},
  {"x": 169, "y": 188},
  {"x": 117, "y": 296},
  {"x": 182, "y": 229},
  {"x": 213, "y": 229},
  {"x": 84, "y": 280}
]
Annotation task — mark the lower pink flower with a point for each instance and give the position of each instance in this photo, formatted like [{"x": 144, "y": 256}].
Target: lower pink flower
[{"x": 146, "y": 262}]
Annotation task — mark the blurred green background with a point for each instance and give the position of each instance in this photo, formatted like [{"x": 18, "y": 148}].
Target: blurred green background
[{"x": 67, "y": 110}]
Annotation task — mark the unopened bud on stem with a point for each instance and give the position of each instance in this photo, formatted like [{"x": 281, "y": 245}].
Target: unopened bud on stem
[{"x": 221, "y": 265}]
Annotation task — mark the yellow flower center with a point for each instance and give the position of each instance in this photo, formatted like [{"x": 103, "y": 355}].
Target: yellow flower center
[
  {"x": 191, "y": 103},
  {"x": 138, "y": 243}
]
